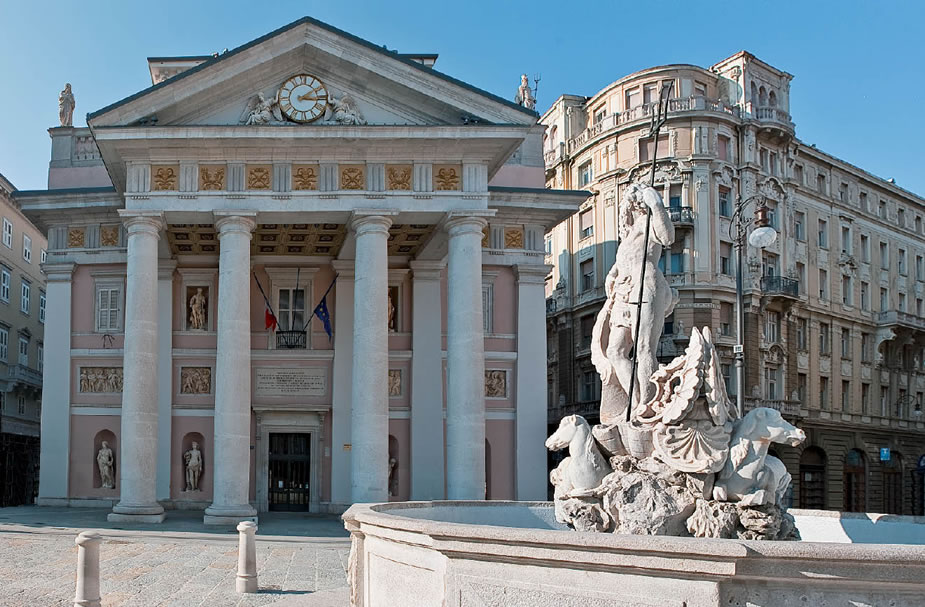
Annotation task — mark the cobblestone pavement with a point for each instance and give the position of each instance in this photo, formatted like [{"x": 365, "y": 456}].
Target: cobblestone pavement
[{"x": 170, "y": 568}]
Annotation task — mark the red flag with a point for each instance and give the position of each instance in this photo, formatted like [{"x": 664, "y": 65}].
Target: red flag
[{"x": 270, "y": 320}]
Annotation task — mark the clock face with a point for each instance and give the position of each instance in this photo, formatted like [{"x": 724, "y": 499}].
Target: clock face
[{"x": 303, "y": 98}]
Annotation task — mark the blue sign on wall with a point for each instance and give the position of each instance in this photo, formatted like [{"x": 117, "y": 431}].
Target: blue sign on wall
[{"x": 884, "y": 454}]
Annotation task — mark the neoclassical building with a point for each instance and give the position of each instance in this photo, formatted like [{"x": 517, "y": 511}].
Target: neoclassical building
[
  {"x": 834, "y": 318},
  {"x": 195, "y": 226}
]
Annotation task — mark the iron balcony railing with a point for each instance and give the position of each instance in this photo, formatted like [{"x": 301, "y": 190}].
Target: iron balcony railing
[
  {"x": 681, "y": 214},
  {"x": 290, "y": 340},
  {"x": 779, "y": 285}
]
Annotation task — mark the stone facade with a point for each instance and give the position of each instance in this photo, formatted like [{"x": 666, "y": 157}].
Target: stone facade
[
  {"x": 834, "y": 317},
  {"x": 195, "y": 271},
  {"x": 22, "y": 349}
]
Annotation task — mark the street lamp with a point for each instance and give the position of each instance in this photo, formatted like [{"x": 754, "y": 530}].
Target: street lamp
[{"x": 761, "y": 237}]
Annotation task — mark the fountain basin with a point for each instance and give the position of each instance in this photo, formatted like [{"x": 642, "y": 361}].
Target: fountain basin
[{"x": 514, "y": 554}]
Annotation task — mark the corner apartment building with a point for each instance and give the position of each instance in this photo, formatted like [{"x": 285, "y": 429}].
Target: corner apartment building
[
  {"x": 834, "y": 319},
  {"x": 22, "y": 324}
]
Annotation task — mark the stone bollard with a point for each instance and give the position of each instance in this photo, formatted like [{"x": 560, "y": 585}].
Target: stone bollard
[
  {"x": 247, "y": 557},
  {"x": 88, "y": 569}
]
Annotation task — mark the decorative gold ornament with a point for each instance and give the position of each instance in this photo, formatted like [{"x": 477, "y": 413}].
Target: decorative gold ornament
[
  {"x": 76, "y": 238},
  {"x": 165, "y": 177},
  {"x": 352, "y": 178},
  {"x": 211, "y": 178},
  {"x": 486, "y": 234},
  {"x": 446, "y": 177},
  {"x": 258, "y": 177},
  {"x": 303, "y": 98},
  {"x": 304, "y": 177},
  {"x": 399, "y": 177},
  {"x": 513, "y": 238},
  {"x": 109, "y": 236}
]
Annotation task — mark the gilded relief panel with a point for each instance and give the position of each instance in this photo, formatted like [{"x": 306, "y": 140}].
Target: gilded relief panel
[
  {"x": 164, "y": 177},
  {"x": 259, "y": 176},
  {"x": 513, "y": 237},
  {"x": 211, "y": 177},
  {"x": 352, "y": 177},
  {"x": 447, "y": 177},
  {"x": 398, "y": 176},
  {"x": 109, "y": 236},
  {"x": 304, "y": 177},
  {"x": 76, "y": 238}
]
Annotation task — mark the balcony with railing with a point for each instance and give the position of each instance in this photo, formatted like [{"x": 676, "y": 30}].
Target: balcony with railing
[
  {"x": 772, "y": 114},
  {"x": 896, "y": 318},
  {"x": 681, "y": 216},
  {"x": 780, "y": 286},
  {"x": 290, "y": 340},
  {"x": 790, "y": 408},
  {"x": 29, "y": 377}
]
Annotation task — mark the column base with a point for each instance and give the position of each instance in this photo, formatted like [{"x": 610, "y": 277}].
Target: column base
[
  {"x": 137, "y": 519},
  {"x": 229, "y": 515},
  {"x": 210, "y": 519}
]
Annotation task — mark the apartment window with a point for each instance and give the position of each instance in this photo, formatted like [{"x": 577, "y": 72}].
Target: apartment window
[
  {"x": 847, "y": 292},
  {"x": 40, "y": 358},
  {"x": 674, "y": 196},
  {"x": 845, "y": 342},
  {"x": 865, "y": 296},
  {"x": 700, "y": 89},
  {"x": 726, "y": 312},
  {"x": 728, "y": 378},
  {"x": 823, "y": 240},
  {"x": 901, "y": 217},
  {"x": 802, "y": 332},
  {"x": 846, "y": 240},
  {"x": 772, "y": 378},
  {"x": 770, "y": 264},
  {"x": 27, "y": 248},
  {"x": 599, "y": 114},
  {"x": 884, "y": 299},
  {"x": 901, "y": 302},
  {"x": 291, "y": 309},
  {"x": 4, "y": 343},
  {"x": 5, "y": 284},
  {"x": 41, "y": 306},
  {"x": 823, "y": 392},
  {"x": 44, "y": 255},
  {"x": 7, "y": 233},
  {"x": 548, "y": 245},
  {"x": 825, "y": 339},
  {"x": 801, "y": 388},
  {"x": 901, "y": 261},
  {"x": 725, "y": 202},
  {"x": 798, "y": 173},
  {"x": 881, "y": 209},
  {"x": 587, "y": 329},
  {"x": 108, "y": 307},
  {"x": 919, "y": 267},
  {"x": 677, "y": 262},
  {"x": 918, "y": 306},
  {"x": 862, "y": 201},
  {"x": 866, "y": 347},
  {"x": 650, "y": 93},
  {"x": 884, "y": 256},
  {"x": 772, "y": 327},
  {"x": 801, "y": 277},
  {"x": 647, "y": 148},
  {"x": 586, "y": 223},
  {"x": 865, "y": 248},
  {"x": 722, "y": 147},
  {"x": 772, "y": 215},
  {"x": 585, "y": 174},
  {"x": 799, "y": 225},
  {"x": 21, "y": 405},
  {"x": 845, "y": 395},
  {"x": 589, "y": 386},
  {"x": 823, "y": 284},
  {"x": 763, "y": 158},
  {"x": 843, "y": 192},
  {"x": 820, "y": 184},
  {"x": 24, "y": 351},
  {"x": 633, "y": 98},
  {"x": 725, "y": 258},
  {"x": 884, "y": 400},
  {"x": 865, "y": 398},
  {"x": 587, "y": 275},
  {"x": 918, "y": 224},
  {"x": 24, "y": 300}
]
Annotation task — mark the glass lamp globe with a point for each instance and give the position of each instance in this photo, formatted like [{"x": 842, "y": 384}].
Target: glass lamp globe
[{"x": 762, "y": 237}]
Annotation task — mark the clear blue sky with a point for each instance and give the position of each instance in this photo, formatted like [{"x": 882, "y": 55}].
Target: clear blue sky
[{"x": 858, "y": 90}]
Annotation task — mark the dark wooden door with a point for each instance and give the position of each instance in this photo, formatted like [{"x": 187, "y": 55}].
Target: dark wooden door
[{"x": 289, "y": 472}]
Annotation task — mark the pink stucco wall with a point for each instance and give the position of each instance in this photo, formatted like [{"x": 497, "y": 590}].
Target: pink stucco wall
[
  {"x": 500, "y": 437},
  {"x": 515, "y": 175}
]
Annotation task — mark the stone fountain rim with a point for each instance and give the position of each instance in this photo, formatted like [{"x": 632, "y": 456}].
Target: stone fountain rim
[{"x": 387, "y": 515}]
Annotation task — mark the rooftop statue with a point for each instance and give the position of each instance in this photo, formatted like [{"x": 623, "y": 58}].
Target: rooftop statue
[
  {"x": 66, "y": 106},
  {"x": 524, "y": 94}
]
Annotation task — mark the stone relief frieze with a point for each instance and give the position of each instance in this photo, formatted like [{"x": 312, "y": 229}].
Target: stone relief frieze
[
  {"x": 195, "y": 380},
  {"x": 352, "y": 178},
  {"x": 211, "y": 178},
  {"x": 446, "y": 178},
  {"x": 398, "y": 177},
  {"x": 394, "y": 382},
  {"x": 495, "y": 383},
  {"x": 100, "y": 380},
  {"x": 165, "y": 177},
  {"x": 258, "y": 177},
  {"x": 304, "y": 177}
]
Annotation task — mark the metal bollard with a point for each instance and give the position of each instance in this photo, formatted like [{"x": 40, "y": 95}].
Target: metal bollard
[
  {"x": 88, "y": 569},
  {"x": 246, "y": 580}
]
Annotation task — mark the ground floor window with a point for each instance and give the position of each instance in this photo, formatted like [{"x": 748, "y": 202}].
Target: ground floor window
[
  {"x": 893, "y": 485},
  {"x": 812, "y": 478},
  {"x": 855, "y": 481}
]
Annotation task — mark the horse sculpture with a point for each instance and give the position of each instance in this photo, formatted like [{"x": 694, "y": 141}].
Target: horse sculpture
[
  {"x": 750, "y": 476},
  {"x": 584, "y": 468}
]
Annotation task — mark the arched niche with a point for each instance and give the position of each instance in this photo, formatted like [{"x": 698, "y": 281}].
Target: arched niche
[
  {"x": 188, "y": 439},
  {"x": 110, "y": 438},
  {"x": 393, "y": 467}
]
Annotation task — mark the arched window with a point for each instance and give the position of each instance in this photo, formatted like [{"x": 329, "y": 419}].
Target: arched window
[
  {"x": 812, "y": 478},
  {"x": 762, "y": 97},
  {"x": 754, "y": 94},
  {"x": 855, "y": 481},
  {"x": 772, "y": 99},
  {"x": 893, "y": 484}
]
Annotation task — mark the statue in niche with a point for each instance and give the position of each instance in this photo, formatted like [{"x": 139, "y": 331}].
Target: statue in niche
[
  {"x": 393, "y": 485},
  {"x": 66, "y": 106},
  {"x": 524, "y": 94},
  {"x": 343, "y": 110},
  {"x": 197, "y": 308},
  {"x": 392, "y": 323},
  {"x": 613, "y": 335},
  {"x": 193, "y": 461},
  {"x": 105, "y": 461},
  {"x": 259, "y": 111}
]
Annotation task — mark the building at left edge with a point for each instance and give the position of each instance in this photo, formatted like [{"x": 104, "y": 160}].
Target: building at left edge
[
  {"x": 195, "y": 227},
  {"x": 22, "y": 328}
]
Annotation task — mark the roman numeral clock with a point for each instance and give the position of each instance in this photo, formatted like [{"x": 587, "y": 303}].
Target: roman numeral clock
[{"x": 303, "y": 98}]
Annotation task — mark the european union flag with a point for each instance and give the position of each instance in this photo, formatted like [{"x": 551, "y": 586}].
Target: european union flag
[{"x": 321, "y": 311}]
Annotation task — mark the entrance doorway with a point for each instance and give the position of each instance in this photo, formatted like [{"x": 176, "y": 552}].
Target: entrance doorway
[{"x": 289, "y": 472}]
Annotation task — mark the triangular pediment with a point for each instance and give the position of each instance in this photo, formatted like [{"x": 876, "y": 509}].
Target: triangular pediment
[{"x": 365, "y": 84}]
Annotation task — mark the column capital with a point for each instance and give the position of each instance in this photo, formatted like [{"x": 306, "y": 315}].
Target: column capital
[
  {"x": 166, "y": 268},
  {"x": 531, "y": 274},
  {"x": 427, "y": 270},
  {"x": 364, "y": 223},
  {"x": 344, "y": 267},
  {"x": 59, "y": 272},
  {"x": 142, "y": 222},
  {"x": 242, "y": 222},
  {"x": 465, "y": 222}
]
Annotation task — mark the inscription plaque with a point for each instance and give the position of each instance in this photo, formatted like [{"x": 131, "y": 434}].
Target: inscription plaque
[{"x": 295, "y": 381}]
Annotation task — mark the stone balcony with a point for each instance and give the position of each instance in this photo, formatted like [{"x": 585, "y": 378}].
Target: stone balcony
[
  {"x": 25, "y": 376},
  {"x": 789, "y": 408},
  {"x": 895, "y": 318}
]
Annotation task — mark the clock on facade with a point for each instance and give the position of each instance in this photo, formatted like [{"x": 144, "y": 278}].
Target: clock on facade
[{"x": 303, "y": 98}]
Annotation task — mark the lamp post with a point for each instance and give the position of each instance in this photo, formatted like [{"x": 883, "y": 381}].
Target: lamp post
[{"x": 762, "y": 236}]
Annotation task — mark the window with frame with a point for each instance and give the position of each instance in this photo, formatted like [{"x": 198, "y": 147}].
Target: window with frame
[
  {"x": 865, "y": 248},
  {"x": 44, "y": 256},
  {"x": 725, "y": 258},
  {"x": 729, "y": 378},
  {"x": 587, "y": 330},
  {"x": 846, "y": 247},
  {"x": 881, "y": 209},
  {"x": 823, "y": 392},
  {"x": 108, "y": 307},
  {"x": 585, "y": 174},
  {"x": 823, "y": 284},
  {"x": 801, "y": 278},
  {"x": 4, "y": 343},
  {"x": 845, "y": 395},
  {"x": 590, "y": 386},
  {"x": 865, "y": 398},
  {"x": 772, "y": 327},
  {"x": 843, "y": 192},
  {"x": 918, "y": 306},
  {"x": 647, "y": 148},
  {"x": 802, "y": 333},
  {"x": 820, "y": 184},
  {"x": 862, "y": 201},
  {"x": 5, "y": 279},
  {"x": 884, "y": 400},
  {"x": 801, "y": 388},
  {"x": 884, "y": 299},
  {"x": 650, "y": 93},
  {"x": 919, "y": 267},
  {"x": 42, "y": 300},
  {"x": 825, "y": 339},
  {"x": 772, "y": 379},
  {"x": 798, "y": 173},
  {"x": 599, "y": 114},
  {"x": 27, "y": 248},
  {"x": 847, "y": 290},
  {"x": 21, "y": 405},
  {"x": 726, "y": 312},
  {"x": 24, "y": 351},
  {"x": 40, "y": 358},
  {"x": 865, "y": 295},
  {"x": 918, "y": 224},
  {"x": 823, "y": 239},
  {"x": 587, "y": 275},
  {"x": 725, "y": 202},
  {"x": 632, "y": 98},
  {"x": 586, "y": 223},
  {"x": 291, "y": 308},
  {"x": 722, "y": 147},
  {"x": 7, "y": 233},
  {"x": 901, "y": 261},
  {"x": 799, "y": 226},
  {"x": 901, "y": 302},
  {"x": 846, "y": 342},
  {"x": 25, "y": 299},
  {"x": 901, "y": 217}
]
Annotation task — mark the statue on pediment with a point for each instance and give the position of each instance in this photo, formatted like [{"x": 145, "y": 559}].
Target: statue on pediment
[
  {"x": 260, "y": 110},
  {"x": 66, "y": 106},
  {"x": 343, "y": 110},
  {"x": 524, "y": 94}
]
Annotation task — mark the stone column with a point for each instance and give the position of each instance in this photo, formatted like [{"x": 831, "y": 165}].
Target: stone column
[
  {"x": 427, "y": 464},
  {"x": 369, "y": 429},
  {"x": 164, "y": 375},
  {"x": 138, "y": 465},
  {"x": 530, "y": 392},
  {"x": 232, "y": 422},
  {"x": 56, "y": 387},
  {"x": 465, "y": 390},
  {"x": 343, "y": 372}
]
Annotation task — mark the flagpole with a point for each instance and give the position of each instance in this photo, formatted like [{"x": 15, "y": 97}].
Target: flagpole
[{"x": 330, "y": 286}]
